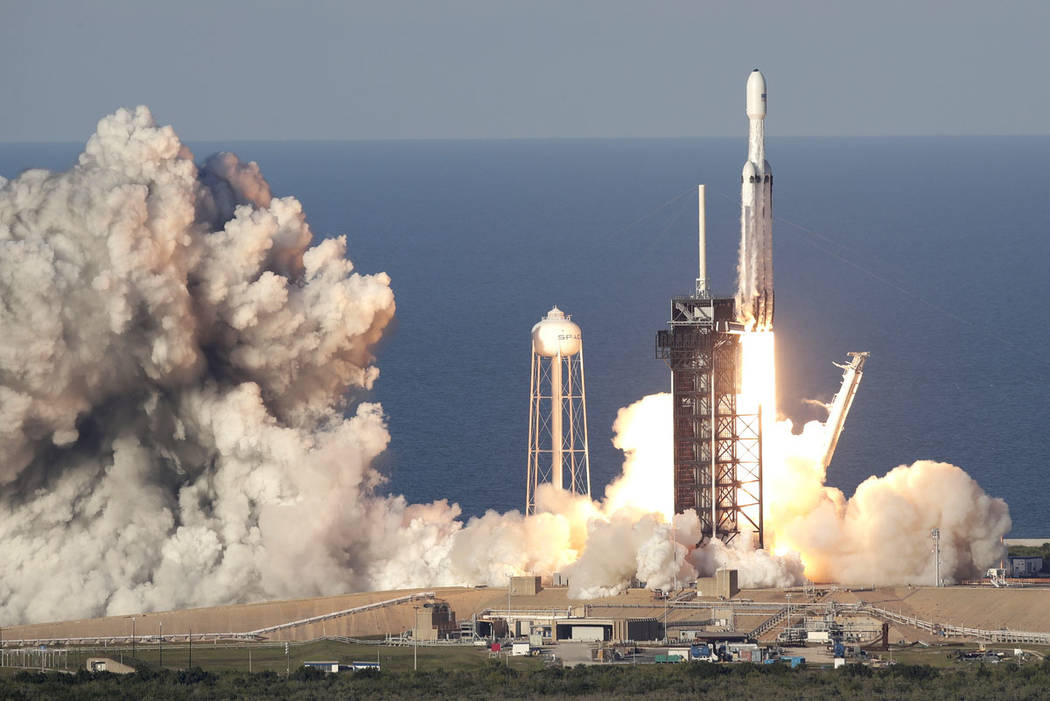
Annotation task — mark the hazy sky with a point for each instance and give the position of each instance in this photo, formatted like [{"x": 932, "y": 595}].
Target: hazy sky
[{"x": 477, "y": 69}]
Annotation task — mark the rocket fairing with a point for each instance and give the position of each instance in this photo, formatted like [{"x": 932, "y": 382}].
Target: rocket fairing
[{"x": 755, "y": 288}]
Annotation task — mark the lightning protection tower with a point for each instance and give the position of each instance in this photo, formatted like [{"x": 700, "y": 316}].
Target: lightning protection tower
[{"x": 558, "y": 451}]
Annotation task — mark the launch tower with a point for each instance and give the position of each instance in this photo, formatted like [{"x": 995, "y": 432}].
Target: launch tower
[
  {"x": 717, "y": 444},
  {"x": 558, "y": 451},
  {"x": 717, "y": 449}
]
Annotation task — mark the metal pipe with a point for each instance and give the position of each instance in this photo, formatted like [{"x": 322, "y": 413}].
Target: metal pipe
[
  {"x": 714, "y": 445},
  {"x": 586, "y": 443},
  {"x": 556, "y": 417},
  {"x": 570, "y": 441},
  {"x": 531, "y": 468}
]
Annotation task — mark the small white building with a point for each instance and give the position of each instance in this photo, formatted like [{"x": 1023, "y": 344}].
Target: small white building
[{"x": 1025, "y": 566}]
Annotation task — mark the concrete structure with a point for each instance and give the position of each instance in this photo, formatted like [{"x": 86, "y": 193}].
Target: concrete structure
[
  {"x": 558, "y": 449},
  {"x": 724, "y": 584},
  {"x": 724, "y": 617},
  {"x": 525, "y": 586},
  {"x": 433, "y": 621}
]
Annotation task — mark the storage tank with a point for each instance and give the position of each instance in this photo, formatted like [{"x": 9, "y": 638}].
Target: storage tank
[{"x": 555, "y": 335}]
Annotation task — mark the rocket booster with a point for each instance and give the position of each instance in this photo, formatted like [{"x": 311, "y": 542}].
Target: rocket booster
[{"x": 755, "y": 288}]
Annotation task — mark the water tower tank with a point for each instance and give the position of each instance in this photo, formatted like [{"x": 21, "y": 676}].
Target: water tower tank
[{"x": 556, "y": 335}]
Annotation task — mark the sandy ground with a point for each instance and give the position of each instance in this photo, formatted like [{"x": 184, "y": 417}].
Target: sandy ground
[{"x": 982, "y": 607}]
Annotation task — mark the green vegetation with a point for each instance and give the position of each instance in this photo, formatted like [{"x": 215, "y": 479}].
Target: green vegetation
[
  {"x": 490, "y": 678},
  {"x": 944, "y": 656}
]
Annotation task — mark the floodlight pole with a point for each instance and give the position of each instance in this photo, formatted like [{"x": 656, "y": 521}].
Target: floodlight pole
[{"x": 936, "y": 535}]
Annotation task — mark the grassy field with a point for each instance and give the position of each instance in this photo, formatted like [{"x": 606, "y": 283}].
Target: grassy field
[
  {"x": 269, "y": 657},
  {"x": 938, "y": 656}
]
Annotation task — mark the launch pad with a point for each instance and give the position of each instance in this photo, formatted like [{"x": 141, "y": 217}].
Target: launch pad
[{"x": 717, "y": 449}]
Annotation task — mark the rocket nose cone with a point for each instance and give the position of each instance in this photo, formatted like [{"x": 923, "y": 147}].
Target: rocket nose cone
[{"x": 756, "y": 95}]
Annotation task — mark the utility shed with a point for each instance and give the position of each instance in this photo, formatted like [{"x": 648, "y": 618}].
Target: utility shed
[
  {"x": 105, "y": 664},
  {"x": 723, "y": 585},
  {"x": 525, "y": 586}
]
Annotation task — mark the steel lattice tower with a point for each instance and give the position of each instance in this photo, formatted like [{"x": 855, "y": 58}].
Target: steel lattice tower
[
  {"x": 717, "y": 449},
  {"x": 558, "y": 450}
]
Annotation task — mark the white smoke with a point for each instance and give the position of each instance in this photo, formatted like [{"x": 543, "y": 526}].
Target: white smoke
[
  {"x": 176, "y": 360},
  {"x": 630, "y": 535},
  {"x": 882, "y": 534},
  {"x": 173, "y": 357},
  {"x": 175, "y": 364}
]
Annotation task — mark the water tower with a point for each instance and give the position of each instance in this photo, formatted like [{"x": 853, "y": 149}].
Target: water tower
[{"x": 557, "y": 410}]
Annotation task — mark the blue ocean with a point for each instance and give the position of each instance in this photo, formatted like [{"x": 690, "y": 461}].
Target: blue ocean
[{"x": 931, "y": 253}]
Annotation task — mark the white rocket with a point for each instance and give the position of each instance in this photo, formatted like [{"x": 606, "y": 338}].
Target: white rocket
[{"x": 755, "y": 289}]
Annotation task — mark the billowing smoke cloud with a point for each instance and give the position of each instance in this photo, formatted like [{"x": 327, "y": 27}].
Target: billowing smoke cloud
[
  {"x": 173, "y": 356},
  {"x": 880, "y": 535},
  {"x": 178, "y": 366}
]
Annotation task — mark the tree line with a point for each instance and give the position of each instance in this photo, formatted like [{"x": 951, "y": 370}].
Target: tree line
[{"x": 694, "y": 681}]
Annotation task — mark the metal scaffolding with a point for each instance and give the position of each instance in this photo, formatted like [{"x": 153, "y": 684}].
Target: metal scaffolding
[{"x": 717, "y": 449}]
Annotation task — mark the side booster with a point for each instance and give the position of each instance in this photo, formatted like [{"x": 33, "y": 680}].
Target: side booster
[{"x": 755, "y": 290}]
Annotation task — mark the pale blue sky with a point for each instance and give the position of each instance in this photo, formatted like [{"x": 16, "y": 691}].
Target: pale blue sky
[{"x": 473, "y": 69}]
